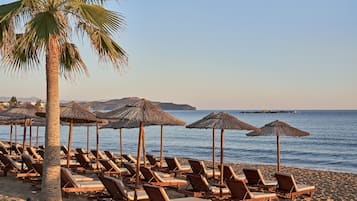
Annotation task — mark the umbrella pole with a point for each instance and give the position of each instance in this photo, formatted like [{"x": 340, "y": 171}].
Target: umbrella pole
[
  {"x": 11, "y": 138},
  {"x": 161, "y": 142},
  {"x": 97, "y": 146},
  {"x": 121, "y": 144},
  {"x": 15, "y": 134},
  {"x": 24, "y": 139},
  {"x": 222, "y": 156},
  {"x": 30, "y": 123},
  {"x": 37, "y": 129},
  {"x": 69, "y": 142},
  {"x": 278, "y": 152},
  {"x": 141, "y": 132},
  {"x": 87, "y": 141},
  {"x": 144, "y": 149},
  {"x": 213, "y": 152}
]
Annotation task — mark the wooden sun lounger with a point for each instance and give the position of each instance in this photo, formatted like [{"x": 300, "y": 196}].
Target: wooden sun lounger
[
  {"x": 11, "y": 165},
  {"x": 84, "y": 161},
  {"x": 3, "y": 150},
  {"x": 112, "y": 156},
  {"x": 174, "y": 166},
  {"x": 129, "y": 158},
  {"x": 229, "y": 174},
  {"x": 112, "y": 169},
  {"x": 255, "y": 177},
  {"x": 101, "y": 155},
  {"x": 199, "y": 168},
  {"x": 32, "y": 151},
  {"x": 155, "y": 162},
  {"x": 240, "y": 191},
  {"x": 117, "y": 191},
  {"x": 201, "y": 187},
  {"x": 154, "y": 178},
  {"x": 158, "y": 193},
  {"x": 70, "y": 184},
  {"x": 288, "y": 187}
]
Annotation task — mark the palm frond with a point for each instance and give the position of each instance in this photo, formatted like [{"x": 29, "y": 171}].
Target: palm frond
[
  {"x": 23, "y": 56},
  {"x": 45, "y": 24},
  {"x": 106, "y": 20},
  {"x": 106, "y": 47},
  {"x": 71, "y": 63}
]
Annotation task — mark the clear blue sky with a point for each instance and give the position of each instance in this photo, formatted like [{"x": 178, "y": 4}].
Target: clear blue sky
[{"x": 227, "y": 54}]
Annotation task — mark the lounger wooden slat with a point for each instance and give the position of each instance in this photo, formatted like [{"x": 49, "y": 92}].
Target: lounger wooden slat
[
  {"x": 287, "y": 186},
  {"x": 240, "y": 191},
  {"x": 117, "y": 190},
  {"x": 157, "y": 193}
]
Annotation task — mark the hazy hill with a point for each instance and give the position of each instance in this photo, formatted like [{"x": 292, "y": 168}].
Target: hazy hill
[{"x": 117, "y": 103}]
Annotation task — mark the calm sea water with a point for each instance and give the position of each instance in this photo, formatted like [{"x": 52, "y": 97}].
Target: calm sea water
[{"x": 332, "y": 144}]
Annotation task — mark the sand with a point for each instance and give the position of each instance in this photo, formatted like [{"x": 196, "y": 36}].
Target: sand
[{"x": 330, "y": 185}]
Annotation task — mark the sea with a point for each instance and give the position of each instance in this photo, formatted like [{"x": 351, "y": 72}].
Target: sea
[{"x": 331, "y": 145}]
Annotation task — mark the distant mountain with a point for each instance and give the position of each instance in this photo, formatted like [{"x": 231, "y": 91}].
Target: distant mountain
[
  {"x": 29, "y": 99},
  {"x": 117, "y": 103},
  {"x": 111, "y": 104}
]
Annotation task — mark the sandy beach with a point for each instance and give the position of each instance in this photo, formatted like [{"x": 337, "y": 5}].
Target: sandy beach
[{"x": 330, "y": 185}]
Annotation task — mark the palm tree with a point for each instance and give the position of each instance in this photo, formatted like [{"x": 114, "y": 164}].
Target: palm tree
[{"x": 31, "y": 28}]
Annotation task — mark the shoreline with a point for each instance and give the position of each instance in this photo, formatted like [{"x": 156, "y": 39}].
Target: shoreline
[{"x": 330, "y": 185}]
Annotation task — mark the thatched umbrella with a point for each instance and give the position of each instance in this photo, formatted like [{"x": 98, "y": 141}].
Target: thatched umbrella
[
  {"x": 278, "y": 128},
  {"x": 145, "y": 112},
  {"x": 74, "y": 113},
  {"x": 223, "y": 121},
  {"x": 125, "y": 123},
  {"x": 26, "y": 112},
  {"x": 201, "y": 124}
]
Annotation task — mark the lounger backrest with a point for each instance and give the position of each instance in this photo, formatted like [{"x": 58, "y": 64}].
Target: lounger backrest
[
  {"x": 228, "y": 173},
  {"x": 109, "y": 154},
  {"x": 100, "y": 154},
  {"x": 38, "y": 167},
  {"x": 130, "y": 167},
  {"x": 151, "y": 159},
  {"x": 33, "y": 153},
  {"x": 83, "y": 160},
  {"x": 64, "y": 149},
  {"x": 197, "y": 167},
  {"x": 7, "y": 161},
  {"x": 3, "y": 144},
  {"x": 199, "y": 183},
  {"x": 156, "y": 193},
  {"x": 115, "y": 187},
  {"x": 253, "y": 176},
  {"x": 286, "y": 182},
  {"x": 81, "y": 151},
  {"x": 238, "y": 189},
  {"x": 28, "y": 160},
  {"x": 109, "y": 165},
  {"x": 148, "y": 174},
  {"x": 129, "y": 158},
  {"x": 67, "y": 178},
  {"x": 3, "y": 150},
  {"x": 170, "y": 163}
]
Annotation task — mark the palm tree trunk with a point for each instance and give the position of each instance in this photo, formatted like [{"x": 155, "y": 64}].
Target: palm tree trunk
[{"x": 51, "y": 178}]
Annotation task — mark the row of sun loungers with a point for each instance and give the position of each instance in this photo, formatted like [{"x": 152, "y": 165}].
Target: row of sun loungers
[{"x": 195, "y": 180}]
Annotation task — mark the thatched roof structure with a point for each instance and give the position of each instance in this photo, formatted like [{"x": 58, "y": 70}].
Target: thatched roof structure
[
  {"x": 23, "y": 111},
  {"x": 280, "y": 128},
  {"x": 142, "y": 111},
  {"x": 74, "y": 112},
  {"x": 221, "y": 120}
]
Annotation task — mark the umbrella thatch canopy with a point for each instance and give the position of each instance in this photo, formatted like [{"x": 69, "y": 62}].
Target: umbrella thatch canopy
[
  {"x": 278, "y": 128},
  {"x": 73, "y": 113},
  {"x": 221, "y": 121},
  {"x": 25, "y": 111},
  {"x": 145, "y": 112}
]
